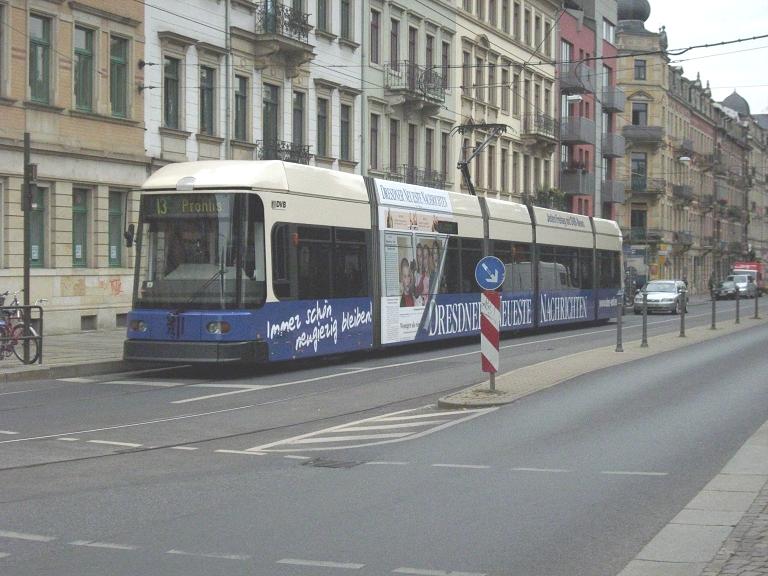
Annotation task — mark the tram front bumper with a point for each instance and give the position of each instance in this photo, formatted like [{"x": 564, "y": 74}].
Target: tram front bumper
[{"x": 196, "y": 352}]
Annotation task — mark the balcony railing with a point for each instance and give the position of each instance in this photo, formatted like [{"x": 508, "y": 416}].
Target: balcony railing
[
  {"x": 653, "y": 135},
  {"x": 576, "y": 78},
  {"x": 415, "y": 175},
  {"x": 638, "y": 235},
  {"x": 280, "y": 150},
  {"x": 540, "y": 126},
  {"x": 614, "y": 99},
  {"x": 577, "y": 182},
  {"x": 644, "y": 185},
  {"x": 721, "y": 192},
  {"x": 421, "y": 82},
  {"x": 577, "y": 130},
  {"x": 274, "y": 18},
  {"x": 613, "y": 145},
  {"x": 682, "y": 193},
  {"x": 684, "y": 238},
  {"x": 685, "y": 148},
  {"x": 707, "y": 200},
  {"x": 613, "y": 191}
]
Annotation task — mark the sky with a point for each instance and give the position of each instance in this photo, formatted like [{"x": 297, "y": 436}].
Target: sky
[{"x": 694, "y": 22}]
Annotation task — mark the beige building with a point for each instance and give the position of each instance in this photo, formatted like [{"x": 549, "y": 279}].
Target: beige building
[{"x": 69, "y": 77}]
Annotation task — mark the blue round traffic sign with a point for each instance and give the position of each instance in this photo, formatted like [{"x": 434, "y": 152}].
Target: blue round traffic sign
[{"x": 489, "y": 273}]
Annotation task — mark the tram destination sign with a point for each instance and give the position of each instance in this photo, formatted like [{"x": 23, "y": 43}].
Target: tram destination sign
[{"x": 175, "y": 205}]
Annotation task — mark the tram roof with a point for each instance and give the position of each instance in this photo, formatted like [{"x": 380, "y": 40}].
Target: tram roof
[{"x": 257, "y": 175}]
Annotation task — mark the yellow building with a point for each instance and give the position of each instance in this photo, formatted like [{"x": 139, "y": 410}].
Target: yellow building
[{"x": 69, "y": 76}]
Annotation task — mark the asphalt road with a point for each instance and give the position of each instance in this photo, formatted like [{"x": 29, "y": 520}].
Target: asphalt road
[{"x": 347, "y": 466}]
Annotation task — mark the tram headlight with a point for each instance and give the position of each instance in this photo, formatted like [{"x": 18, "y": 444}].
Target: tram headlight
[
  {"x": 219, "y": 327},
  {"x": 138, "y": 326}
]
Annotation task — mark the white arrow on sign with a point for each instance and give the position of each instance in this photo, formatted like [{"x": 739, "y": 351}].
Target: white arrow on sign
[{"x": 493, "y": 277}]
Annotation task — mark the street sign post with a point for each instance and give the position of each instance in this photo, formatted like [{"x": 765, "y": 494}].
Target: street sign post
[{"x": 489, "y": 274}]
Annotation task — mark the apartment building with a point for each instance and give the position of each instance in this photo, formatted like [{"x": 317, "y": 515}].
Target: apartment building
[
  {"x": 590, "y": 105},
  {"x": 506, "y": 49},
  {"x": 69, "y": 77}
]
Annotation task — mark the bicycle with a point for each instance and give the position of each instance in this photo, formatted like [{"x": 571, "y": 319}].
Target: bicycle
[{"x": 13, "y": 331}]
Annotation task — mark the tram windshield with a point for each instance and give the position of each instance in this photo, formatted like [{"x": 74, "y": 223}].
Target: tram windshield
[{"x": 200, "y": 251}]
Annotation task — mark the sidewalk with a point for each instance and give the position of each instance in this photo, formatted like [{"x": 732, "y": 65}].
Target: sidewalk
[{"x": 71, "y": 355}]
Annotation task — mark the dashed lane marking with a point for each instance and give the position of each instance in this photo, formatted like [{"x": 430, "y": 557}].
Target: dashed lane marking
[
  {"x": 320, "y": 440},
  {"x": 209, "y": 555},
  {"x": 469, "y": 466},
  {"x": 239, "y": 390},
  {"x": 421, "y": 572},
  {"x": 294, "y": 457},
  {"x": 24, "y": 536},
  {"x": 393, "y": 426},
  {"x": 386, "y": 463},
  {"x": 552, "y": 470},
  {"x": 110, "y": 443},
  {"x": 105, "y": 545},
  {"x": 247, "y": 452},
  {"x": 77, "y": 380},
  {"x": 68, "y": 439},
  {"x": 321, "y": 564},
  {"x": 4, "y": 555},
  {"x": 8, "y": 432},
  {"x": 630, "y": 473},
  {"x": 189, "y": 448}
]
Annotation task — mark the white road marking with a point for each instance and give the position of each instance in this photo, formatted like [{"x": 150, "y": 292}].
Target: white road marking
[
  {"x": 394, "y": 426},
  {"x": 553, "y": 470},
  {"x": 386, "y": 463},
  {"x": 420, "y": 572},
  {"x": 417, "y": 416},
  {"x": 217, "y": 385},
  {"x": 321, "y": 564},
  {"x": 8, "y": 432},
  {"x": 110, "y": 443},
  {"x": 107, "y": 545},
  {"x": 630, "y": 473},
  {"x": 25, "y": 536},
  {"x": 77, "y": 380},
  {"x": 210, "y": 555},
  {"x": 184, "y": 448},
  {"x": 472, "y": 466},
  {"x": 4, "y": 555},
  {"x": 67, "y": 439},
  {"x": 24, "y": 391},
  {"x": 293, "y": 457},
  {"x": 315, "y": 439},
  {"x": 240, "y": 390},
  {"x": 248, "y": 452},
  {"x": 144, "y": 383}
]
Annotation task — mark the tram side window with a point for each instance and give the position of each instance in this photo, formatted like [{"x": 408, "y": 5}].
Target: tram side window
[
  {"x": 567, "y": 268},
  {"x": 461, "y": 258},
  {"x": 516, "y": 257},
  {"x": 586, "y": 275},
  {"x": 609, "y": 269},
  {"x": 319, "y": 262}
]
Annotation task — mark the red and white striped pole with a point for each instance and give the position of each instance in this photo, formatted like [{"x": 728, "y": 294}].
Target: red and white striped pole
[{"x": 490, "y": 322}]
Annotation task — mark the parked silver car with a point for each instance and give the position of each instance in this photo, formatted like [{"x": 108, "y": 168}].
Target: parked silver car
[
  {"x": 744, "y": 283},
  {"x": 663, "y": 296}
]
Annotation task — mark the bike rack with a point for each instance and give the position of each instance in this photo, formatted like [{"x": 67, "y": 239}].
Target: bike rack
[{"x": 18, "y": 315}]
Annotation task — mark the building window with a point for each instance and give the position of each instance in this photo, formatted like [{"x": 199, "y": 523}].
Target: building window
[
  {"x": 346, "y": 19},
  {"x": 171, "y": 92},
  {"x": 548, "y": 39},
  {"x": 467, "y": 5},
  {"x": 79, "y": 227},
  {"x": 516, "y": 21},
  {"x": 115, "y": 227},
  {"x": 505, "y": 170},
  {"x": 37, "y": 227},
  {"x": 640, "y": 70},
  {"x": 537, "y": 32},
  {"x": 322, "y": 15},
  {"x": 640, "y": 113},
  {"x": 445, "y": 60},
  {"x": 505, "y": 16},
  {"x": 429, "y": 135},
  {"x": 375, "y": 39},
  {"x": 639, "y": 168},
  {"x": 270, "y": 121},
  {"x": 479, "y": 163},
  {"x": 479, "y": 88},
  {"x": 118, "y": 76},
  {"x": 412, "y": 145},
  {"x": 298, "y": 119},
  {"x": 394, "y": 45},
  {"x": 444, "y": 154},
  {"x": 207, "y": 83},
  {"x": 505, "y": 90},
  {"x": 346, "y": 134},
  {"x": 83, "y": 68},
  {"x": 374, "y": 141},
  {"x": 527, "y": 27},
  {"x": 394, "y": 140},
  {"x": 515, "y": 171},
  {"x": 322, "y": 127},
  {"x": 429, "y": 51},
  {"x": 241, "y": 108},
  {"x": 609, "y": 32},
  {"x": 516, "y": 94},
  {"x": 40, "y": 58},
  {"x": 491, "y": 167},
  {"x": 492, "y": 12},
  {"x": 492, "y": 88},
  {"x": 466, "y": 75}
]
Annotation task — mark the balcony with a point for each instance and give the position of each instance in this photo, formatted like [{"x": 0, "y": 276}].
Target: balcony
[
  {"x": 685, "y": 148},
  {"x": 682, "y": 193},
  {"x": 721, "y": 192},
  {"x": 540, "y": 128},
  {"x": 683, "y": 238},
  {"x": 643, "y": 135},
  {"x": 576, "y": 78},
  {"x": 708, "y": 242},
  {"x": 280, "y": 150},
  {"x": 416, "y": 175},
  {"x": 639, "y": 235},
  {"x": 613, "y": 191},
  {"x": 577, "y": 130},
  {"x": 577, "y": 182},
  {"x": 613, "y": 145},
  {"x": 613, "y": 99},
  {"x": 644, "y": 185},
  {"x": 707, "y": 200},
  {"x": 282, "y": 36},
  {"x": 419, "y": 87}
]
